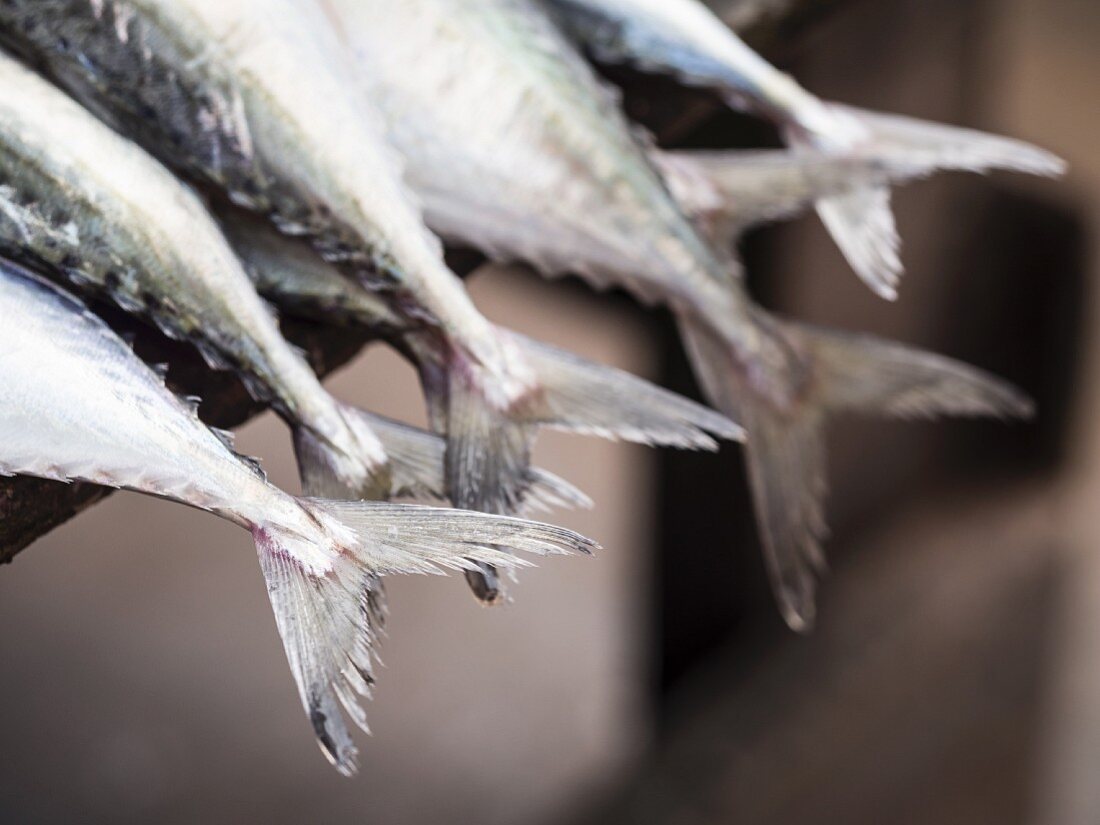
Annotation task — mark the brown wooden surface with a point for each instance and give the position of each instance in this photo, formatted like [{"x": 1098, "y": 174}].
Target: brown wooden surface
[{"x": 30, "y": 508}]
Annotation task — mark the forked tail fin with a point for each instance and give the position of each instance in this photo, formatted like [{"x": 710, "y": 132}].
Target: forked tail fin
[
  {"x": 785, "y": 453},
  {"x": 911, "y": 147},
  {"x": 862, "y": 224},
  {"x": 728, "y": 191},
  {"x": 489, "y": 446},
  {"x": 861, "y": 220},
  {"x": 324, "y": 590}
]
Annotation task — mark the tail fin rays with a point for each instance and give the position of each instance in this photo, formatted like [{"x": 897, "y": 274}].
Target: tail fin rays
[
  {"x": 869, "y": 375},
  {"x": 488, "y": 447},
  {"x": 786, "y": 469},
  {"x": 415, "y": 457},
  {"x": 329, "y": 615},
  {"x": 335, "y": 472}
]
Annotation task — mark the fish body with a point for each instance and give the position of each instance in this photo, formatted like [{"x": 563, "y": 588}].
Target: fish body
[
  {"x": 686, "y": 39},
  {"x": 254, "y": 97},
  {"x": 238, "y": 94},
  {"x": 81, "y": 201},
  {"x": 515, "y": 146},
  {"x": 77, "y": 405},
  {"x": 547, "y": 167}
]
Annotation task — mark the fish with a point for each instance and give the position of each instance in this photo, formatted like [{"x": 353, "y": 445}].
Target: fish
[
  {"x": 76, "y": 404},
  {"x": 685, "y": 39},
  {"x": 515, "y": 147},
  {"x": 726, "y": 192},
  {"x": 155, "y": 251},
  {"x": 256, "y": 99},
  {"x": 84, "y": 204},
  {"x": 621, "y": 406}
]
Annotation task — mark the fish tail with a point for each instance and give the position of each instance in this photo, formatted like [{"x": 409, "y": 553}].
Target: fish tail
[
  {"x": 487, "y": 455},
  {"x": 414, "y": 468},
  {"x": 727, "y": 191},
  {"x": 352, "y": 465},
  {"x": 489, "y": 446},
  {"x": 582, "y": 396},
  {"x": 326, "y": 591},
  {"x": 861, "y": 220},
  {"x": 784, "y": 413}
]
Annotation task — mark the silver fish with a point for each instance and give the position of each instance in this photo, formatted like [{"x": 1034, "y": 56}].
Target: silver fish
[
  {"x": 726, "y": 192},
  {"x": 617, "y": 405},
  {"x": 77, "y": 405},
  {"x": 514, "y": 146},
  {"x": 83, "y": 202},
  {"x": 256, "y": 97},
  {"x": 686, "y": 39}
]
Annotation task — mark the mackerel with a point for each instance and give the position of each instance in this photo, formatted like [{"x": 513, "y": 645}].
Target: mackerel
[{"x": 77, "y": 405}]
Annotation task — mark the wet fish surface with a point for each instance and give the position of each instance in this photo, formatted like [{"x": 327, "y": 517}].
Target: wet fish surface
[
  {"x": 81, "y": 201},
  {"x": 77, "y": 405}
]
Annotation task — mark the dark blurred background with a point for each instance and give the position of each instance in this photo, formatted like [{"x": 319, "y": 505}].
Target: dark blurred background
[{"x": 955, "y": 673}]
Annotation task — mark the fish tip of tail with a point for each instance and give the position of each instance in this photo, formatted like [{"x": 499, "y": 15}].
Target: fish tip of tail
[
  {"x": 325, "y": 590},
  {"x": 785, "y": 453}
]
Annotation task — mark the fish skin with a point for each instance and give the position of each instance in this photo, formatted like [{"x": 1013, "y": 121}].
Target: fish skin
[
  {"x": 288, "y": 269},
  {"x": 271, "y": 117},
  {"x": 77, "y": 404},
  {"x": 81, "y": 201},
  {"x": 538, "y": 163},
  {"x": 544, "y": 162}
]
